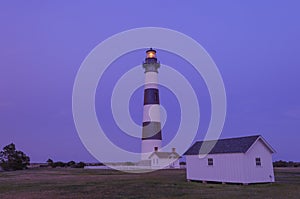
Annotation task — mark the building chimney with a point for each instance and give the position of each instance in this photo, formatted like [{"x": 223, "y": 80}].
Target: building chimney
[
  {"x": 173, "y": 150},
  {"x": 156, "y": 149}
]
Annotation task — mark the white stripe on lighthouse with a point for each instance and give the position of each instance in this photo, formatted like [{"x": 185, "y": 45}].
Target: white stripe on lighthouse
[
  {"x": 151, "y": 80},
  {"x": 151, "y": 113}
]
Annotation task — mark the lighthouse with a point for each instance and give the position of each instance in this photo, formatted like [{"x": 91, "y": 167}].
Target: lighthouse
[{"x": 151, "y": 133}]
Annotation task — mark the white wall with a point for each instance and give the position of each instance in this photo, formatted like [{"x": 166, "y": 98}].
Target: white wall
[
  {"x": 259, "y": 173},
  {"x": 235, "y": 167},
  {"x": 157, "y": 162},
  {"x": 226, "y": 168}
]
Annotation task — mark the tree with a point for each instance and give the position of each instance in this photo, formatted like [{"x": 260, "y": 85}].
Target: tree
[
  {"x": 79, "y": 165},
  {"x": 11, "y": 159},
  {"x": 58, "y": 164},
  {"x": 50, "y": 162},
  {"x": 71, "y": 163},
  {"x": 182, "y": 163}
]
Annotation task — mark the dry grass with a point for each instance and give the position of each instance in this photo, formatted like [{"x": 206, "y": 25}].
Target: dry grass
[{"x": 80, "y": 183}]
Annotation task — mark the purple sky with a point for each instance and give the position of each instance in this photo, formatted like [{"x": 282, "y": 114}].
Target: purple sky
[{"x": 42, "y": 44}]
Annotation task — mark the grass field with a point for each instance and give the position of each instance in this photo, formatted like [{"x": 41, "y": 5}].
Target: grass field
[{"x": 80, "y": 183}]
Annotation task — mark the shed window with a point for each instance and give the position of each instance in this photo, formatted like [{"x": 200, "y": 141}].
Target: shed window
[
  {"x": 257, "y": 161},
  {"x": 210, "y": 162}
]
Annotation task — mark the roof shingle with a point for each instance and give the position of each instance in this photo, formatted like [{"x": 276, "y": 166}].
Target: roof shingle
[{"x": 229, "y": 145}]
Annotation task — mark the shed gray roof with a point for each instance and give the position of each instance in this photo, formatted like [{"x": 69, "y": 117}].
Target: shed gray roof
[{"x": 229, "y": 145}]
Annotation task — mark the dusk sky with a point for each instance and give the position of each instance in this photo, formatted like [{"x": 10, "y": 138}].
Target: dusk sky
[{"x": 255, "y": 45}]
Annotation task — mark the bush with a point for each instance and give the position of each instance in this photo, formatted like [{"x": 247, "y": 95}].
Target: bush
[
  {"x": 182, "y": 163},
  {"x": 79, "y": 165},
  {"x": 58, "y": 164},
  {"x": 129, "y": 164},
  {"x": 280, "y": 163},
  {"x": 71, "y": 163},
  {"x": 50, "y": 162}
]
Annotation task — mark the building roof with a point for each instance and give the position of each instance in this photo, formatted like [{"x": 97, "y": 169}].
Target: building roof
[
  {"x": 229, "y": 145},
  {"x": 164, "y": 155}
]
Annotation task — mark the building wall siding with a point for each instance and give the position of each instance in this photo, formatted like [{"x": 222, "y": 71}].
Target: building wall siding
[
  {"x": 226, "y": 168},
  {"x": 263, "y": 173},
  {"x": 233, "y": 167}
]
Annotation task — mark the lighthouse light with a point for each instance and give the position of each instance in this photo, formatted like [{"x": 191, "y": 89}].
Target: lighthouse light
[{"x": 151, "y": 53}]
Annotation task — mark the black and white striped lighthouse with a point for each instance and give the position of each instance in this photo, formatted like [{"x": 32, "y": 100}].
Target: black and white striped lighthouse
[{"x": 151, "y": 135}]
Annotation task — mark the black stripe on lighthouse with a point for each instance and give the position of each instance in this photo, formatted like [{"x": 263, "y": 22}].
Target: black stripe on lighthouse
[
  {"x": 151, "y": 131},
  {"x": 151, "y": 96}
]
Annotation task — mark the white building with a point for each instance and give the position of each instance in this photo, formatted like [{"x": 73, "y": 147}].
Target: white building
[
  {"x": 164, "y": 159},
  {"x": 234, "y": 160}
]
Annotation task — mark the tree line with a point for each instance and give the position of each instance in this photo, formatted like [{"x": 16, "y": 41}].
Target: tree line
[
  {"x": 12, "y": 159},
  {"x": 282, "y": 163},
  {"x": 71, "y": 164}
]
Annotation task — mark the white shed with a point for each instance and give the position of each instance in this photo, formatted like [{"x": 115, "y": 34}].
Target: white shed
[{"x": 233, "y": 160}]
